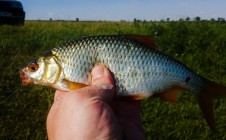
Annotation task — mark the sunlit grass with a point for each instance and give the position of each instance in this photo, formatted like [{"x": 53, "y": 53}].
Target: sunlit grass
[{"x": 200, "y": 45}]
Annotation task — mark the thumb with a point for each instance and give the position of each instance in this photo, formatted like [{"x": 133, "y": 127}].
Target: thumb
[{"x": 103, "y": 78}]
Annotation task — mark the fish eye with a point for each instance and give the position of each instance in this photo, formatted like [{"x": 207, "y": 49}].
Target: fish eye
[{"x": 33, "y": 67}]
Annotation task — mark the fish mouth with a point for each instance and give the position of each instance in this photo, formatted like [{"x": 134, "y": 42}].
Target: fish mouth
[{"x": 25, "y": 79}]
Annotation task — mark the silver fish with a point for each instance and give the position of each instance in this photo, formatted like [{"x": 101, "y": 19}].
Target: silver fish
[{"x": 139, "y": 68}]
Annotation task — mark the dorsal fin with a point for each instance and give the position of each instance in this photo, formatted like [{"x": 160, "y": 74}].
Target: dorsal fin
[{"x": 145, "y": 40}]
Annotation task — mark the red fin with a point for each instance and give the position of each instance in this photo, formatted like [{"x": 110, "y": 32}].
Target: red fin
[
  {"x": 146, "y": 40},
  {"x": 74, "y": 85},
  {"x": 211, "y": 90},
  {"x": 171, "y": 94},
  {"x": 134, "y": 97}
]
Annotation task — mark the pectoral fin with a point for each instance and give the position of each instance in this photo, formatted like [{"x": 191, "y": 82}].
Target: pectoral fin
[{"x": 73, "y": 85}]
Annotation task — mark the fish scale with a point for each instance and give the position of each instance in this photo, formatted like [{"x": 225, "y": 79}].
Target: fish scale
[{"x": 135, "y": 67}]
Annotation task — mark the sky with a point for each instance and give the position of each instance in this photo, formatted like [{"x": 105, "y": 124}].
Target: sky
[{"x": 115, "y": 10}]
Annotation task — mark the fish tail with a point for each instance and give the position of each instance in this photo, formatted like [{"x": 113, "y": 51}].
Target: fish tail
[{"x": 210, "y": 91}]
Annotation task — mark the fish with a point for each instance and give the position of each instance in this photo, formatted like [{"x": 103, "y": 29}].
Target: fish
[{"x": 139, "y": 68}]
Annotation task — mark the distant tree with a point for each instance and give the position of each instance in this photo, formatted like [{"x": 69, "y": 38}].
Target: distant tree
[
  {"x": 197, "y": 18},
  {"x": 137, "y": 20},
  {"x": 181, "y": 19},
  {"x": 144, "y": 21},
  {"x": 168, "y": 19},
  {"x": 50, "y": 19},
  {"x": 221, "y": 19},
  {"x": 187, "y": 19},
  {"x": 134, "y": 20},
  {"x": 212, "y": 19},
  {"x": 77, "y": 19}
]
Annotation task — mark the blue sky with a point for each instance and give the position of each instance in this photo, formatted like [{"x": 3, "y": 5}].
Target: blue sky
[{"x": 123, "y": 9}]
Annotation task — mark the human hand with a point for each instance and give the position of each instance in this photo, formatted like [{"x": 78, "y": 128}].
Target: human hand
[{"x": 93, "y": 113}]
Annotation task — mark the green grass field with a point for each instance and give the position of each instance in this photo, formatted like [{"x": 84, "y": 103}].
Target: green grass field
[{"x": 201, "y": 45}]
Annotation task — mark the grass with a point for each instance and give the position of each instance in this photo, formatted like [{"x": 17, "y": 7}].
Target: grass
[{"x": 200, "y": 45}]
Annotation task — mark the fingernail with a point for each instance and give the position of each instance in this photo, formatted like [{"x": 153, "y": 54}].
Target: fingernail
[
  {"x": 106, "y": 86},
  {"x": 98, "y": 71}
]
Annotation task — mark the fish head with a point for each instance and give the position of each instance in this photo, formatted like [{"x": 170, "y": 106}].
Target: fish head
[{"x": 44, "y": 71}]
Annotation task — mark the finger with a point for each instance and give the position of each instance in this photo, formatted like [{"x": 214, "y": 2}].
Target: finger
[
  {"x": 58, "y": 94},
  {"x": 128, "y": 115},
  {"x": 101, "y": 75},
  {"x": 102, "y": 78}
]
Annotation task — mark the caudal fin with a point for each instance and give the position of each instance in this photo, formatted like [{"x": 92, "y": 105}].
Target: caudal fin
[{"x": 205, "y": 100}]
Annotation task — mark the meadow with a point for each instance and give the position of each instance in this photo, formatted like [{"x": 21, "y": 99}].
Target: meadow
[{"x": 201, "y": 45}]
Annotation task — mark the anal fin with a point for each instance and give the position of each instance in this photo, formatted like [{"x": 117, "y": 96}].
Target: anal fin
[
  {"x": 133, "y": 97},
  {"x": 171, "y": 94}
]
